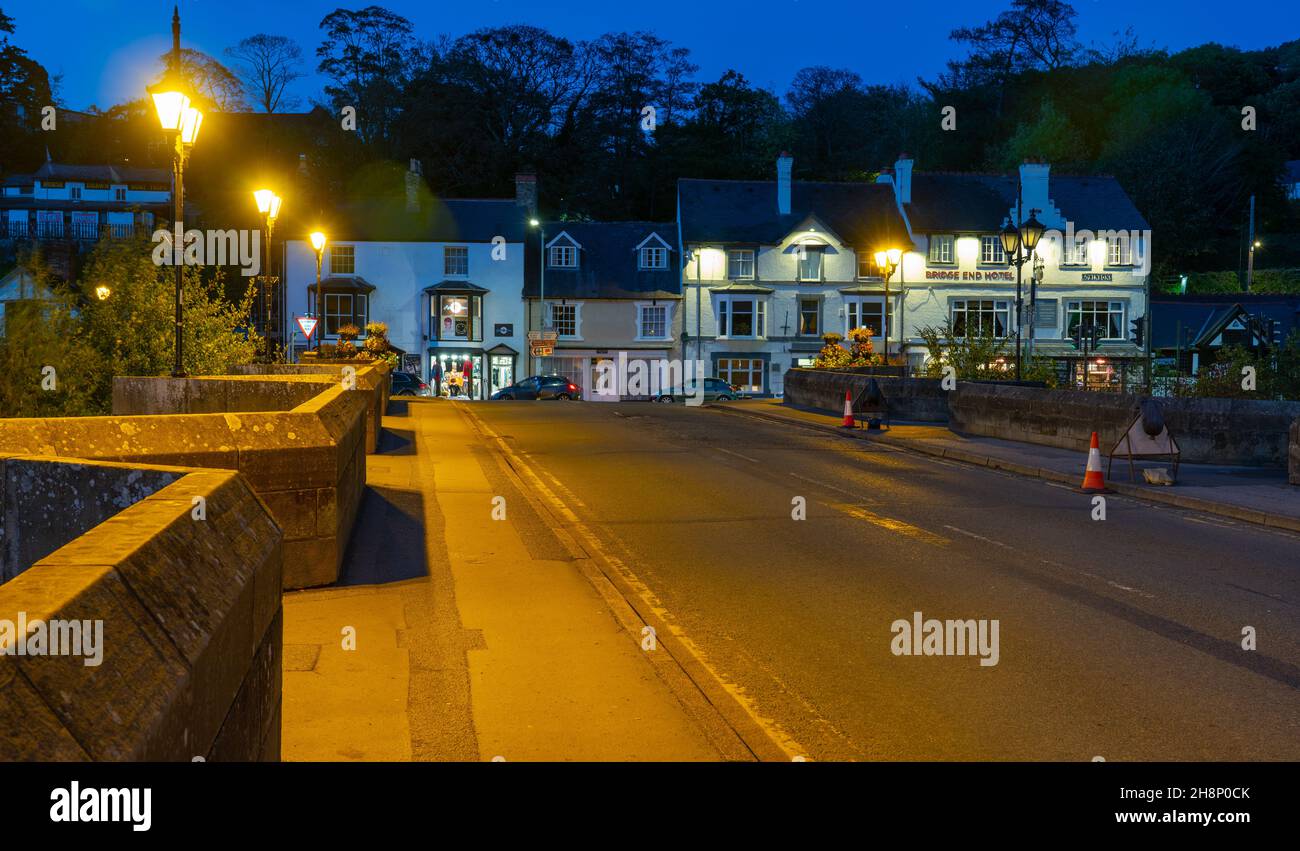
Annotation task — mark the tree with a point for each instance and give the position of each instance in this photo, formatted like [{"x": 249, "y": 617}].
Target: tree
[
  {"x": 267, "y": 65},
  {"x": 976, "y": 355},
  {"x": 132, "y": 329},
  {"x": 1052, "y": 137},
  {"x": 24, "y": 92},
  {"x": 210, "y": 79},
  {"x": 1031, "y": 35},
  {"x": 367, "y": 53}
]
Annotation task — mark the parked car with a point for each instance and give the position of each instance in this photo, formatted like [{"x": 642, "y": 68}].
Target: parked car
[
  {"x": 540, "y": 387},
  {"x": 715, "y": 390},
  {"x": 406, "y": 384}
]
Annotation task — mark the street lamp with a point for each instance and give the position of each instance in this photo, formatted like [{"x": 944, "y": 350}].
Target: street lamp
[
  {"x": 541, "y": 284},
  {"x": 887, "y": 261},
  {"x": 181, "y": 121},
  {"x": 102, "y": 292},
  {"x": 1019, "y": 245},
  {"x": 318, "y": 245},
  {"x": 268, "y": 205}
]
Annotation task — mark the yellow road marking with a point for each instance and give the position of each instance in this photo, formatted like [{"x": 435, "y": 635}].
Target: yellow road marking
[{"x": 893, "y": 525}]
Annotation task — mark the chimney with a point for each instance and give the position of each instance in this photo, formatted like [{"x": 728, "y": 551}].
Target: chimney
[
  {"x": 526, "y": 191},
  {"x": 903, "y": 178},
  {"x": 413, "y": 180},
  {"x": 1033, "y": 182},
  {"x": 784, "y": 165}
]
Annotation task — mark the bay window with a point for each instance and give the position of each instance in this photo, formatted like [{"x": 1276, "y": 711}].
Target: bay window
[
  {"x": 1106, "y": 315},
  {"x": 864, "y": 312},
  {"x": 744, "y": 317},
  {"x": 985, "y": 317},
  {"x": 459, "y": 316}
]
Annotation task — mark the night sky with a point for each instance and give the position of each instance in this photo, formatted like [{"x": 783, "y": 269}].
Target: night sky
[{"x": 105, "y": 49}]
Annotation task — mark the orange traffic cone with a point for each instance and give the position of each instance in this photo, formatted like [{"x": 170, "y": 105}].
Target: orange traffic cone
[
  {"x": 1093, "y": 481},
  {"x": 848, "y": 411}
]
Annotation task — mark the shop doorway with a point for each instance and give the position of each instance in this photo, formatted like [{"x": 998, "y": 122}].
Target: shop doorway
[
  {"x": 459, "y": 375},
  {"x": 502, "y": 373}
]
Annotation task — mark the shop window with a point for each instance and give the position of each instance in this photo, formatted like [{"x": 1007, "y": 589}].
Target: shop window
[{"x": 459, "y": 317}]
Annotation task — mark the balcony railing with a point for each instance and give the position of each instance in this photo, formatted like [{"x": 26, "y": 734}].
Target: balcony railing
[{"x": 85, "y": 231}]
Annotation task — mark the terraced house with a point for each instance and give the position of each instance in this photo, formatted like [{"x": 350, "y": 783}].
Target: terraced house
[
  {"x": 601, "y": 291},
  {"x": 771, "y": 266}
]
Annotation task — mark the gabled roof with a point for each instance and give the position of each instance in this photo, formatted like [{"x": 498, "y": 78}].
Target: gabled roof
[
  {"x": 745, "y": 212},
  {"x": 1201, "y": 318},
  {"x": 608, "y": 263},
  {"x": 979, "y": 203},
  {"x": 455, "y": 287}
]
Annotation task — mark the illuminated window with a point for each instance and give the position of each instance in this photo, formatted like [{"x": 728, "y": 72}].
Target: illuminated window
[
  {"x": 991, "y": 252},
  {"x": 941, "y": 248},
  {"x": 745, "y": 373},
  {"x": 864, "y": 312}
]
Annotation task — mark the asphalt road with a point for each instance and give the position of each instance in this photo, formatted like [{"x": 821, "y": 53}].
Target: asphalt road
[{"x": 1118, "y": 638}]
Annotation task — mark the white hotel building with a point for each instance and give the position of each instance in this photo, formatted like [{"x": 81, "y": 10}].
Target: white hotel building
[{"x": 771, "y": 266}]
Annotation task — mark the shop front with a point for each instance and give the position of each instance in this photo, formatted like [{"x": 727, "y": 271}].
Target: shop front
[
  {"x": 457, "y": 373},
  {"x": 633, "y": 369}
]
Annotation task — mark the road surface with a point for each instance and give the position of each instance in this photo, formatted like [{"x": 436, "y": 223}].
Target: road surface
[{"x": 1119, "y": 639}]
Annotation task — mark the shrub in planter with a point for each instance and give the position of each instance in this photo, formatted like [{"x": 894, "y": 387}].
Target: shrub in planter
[
  {"x": 348, "y": 333},
  {"x": 327, "y": 351}
]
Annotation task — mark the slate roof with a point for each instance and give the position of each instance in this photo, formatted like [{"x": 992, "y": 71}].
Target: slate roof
[
  {"x": 1201, "y": 315},
  {"x": 744, "y": 212},
  {"x": 607, "y": 262},
  {"x": 437, "y": 220},
  {"x": 943, "y": 203},
  {"x": 117, "y": 174}
]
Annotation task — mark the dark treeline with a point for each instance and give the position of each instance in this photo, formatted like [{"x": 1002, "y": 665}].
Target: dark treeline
[{"x": 478, "y": 108}]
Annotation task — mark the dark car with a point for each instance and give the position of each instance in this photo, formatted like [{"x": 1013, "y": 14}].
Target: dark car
[
  {"x": 715, "y": 390},
  {"x": 406, "y": 384},
  {"x": 540, "y": 387}
]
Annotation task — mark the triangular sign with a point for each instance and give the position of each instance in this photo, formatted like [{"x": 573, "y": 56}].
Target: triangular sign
[{"x": 307, "y": 324}]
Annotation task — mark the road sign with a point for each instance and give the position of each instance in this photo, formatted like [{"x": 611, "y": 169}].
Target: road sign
[
  {"x": 307, "y": 324},
  {"x": 540, "y": 350}
]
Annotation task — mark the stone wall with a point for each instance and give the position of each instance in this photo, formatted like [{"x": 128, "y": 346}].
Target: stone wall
[
  {"x": 1295, "y": 452},
  {"x": 222, "y": 394},
  {"x": 915, "y": 399},
  {"x": 1208, "y": 431},
  {"x": 189, "y": 657},
  {"x": 308, "y": 464},
  {"x": 372, "y": 378},
  {"x": 44, "y": 505}
]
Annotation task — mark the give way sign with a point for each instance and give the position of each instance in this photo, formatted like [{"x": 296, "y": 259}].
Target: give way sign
[{"x": 307, "y": 324}]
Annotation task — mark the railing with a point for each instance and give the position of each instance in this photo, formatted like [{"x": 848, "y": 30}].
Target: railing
[{"x": 86, "y": 231}]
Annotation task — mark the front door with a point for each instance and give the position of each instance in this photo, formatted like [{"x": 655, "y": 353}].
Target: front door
[{"x": 502, "y": 373}]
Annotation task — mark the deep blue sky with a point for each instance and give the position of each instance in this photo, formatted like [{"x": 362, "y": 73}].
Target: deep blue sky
[{"x": 105, "y": 48}]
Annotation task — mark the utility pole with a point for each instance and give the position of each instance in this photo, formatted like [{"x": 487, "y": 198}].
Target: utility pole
[{"x": 1250, "y": 247}]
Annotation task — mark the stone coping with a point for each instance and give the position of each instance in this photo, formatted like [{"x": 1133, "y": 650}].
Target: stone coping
[{"x": 189, "y": 608}]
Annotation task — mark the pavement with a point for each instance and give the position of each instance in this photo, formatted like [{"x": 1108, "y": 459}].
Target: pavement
[
  {"x": 1253, "y": 494},
  {"x": 467, "y": 628}
]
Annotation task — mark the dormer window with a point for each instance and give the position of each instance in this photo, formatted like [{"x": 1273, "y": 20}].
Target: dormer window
[
  {"x": 654, "y": 257},
  {"x": 74, "y": 192},
  {"x": 119, "y": 193},
  {"x": 563, "y": 257},
  {"x": 810, "y": 262}
]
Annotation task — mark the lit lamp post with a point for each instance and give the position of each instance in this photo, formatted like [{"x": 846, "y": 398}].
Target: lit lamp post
[
  {"x": 180, "y": 120},
  {"x": 318, "y": 244},
  {"x": 1019, "y": 244},
  {"x": 887, "y": 261},
  {"x": 268, "y": 205},
  {"x": 541, "y": 286}
]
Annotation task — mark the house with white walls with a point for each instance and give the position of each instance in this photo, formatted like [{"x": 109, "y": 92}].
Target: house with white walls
[
  {"x": 1090, "y": 269},
  {"x": 770, "y": 266},
  {"x": 446, "y": 275}
]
